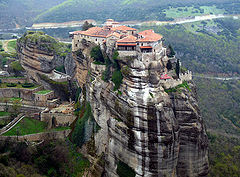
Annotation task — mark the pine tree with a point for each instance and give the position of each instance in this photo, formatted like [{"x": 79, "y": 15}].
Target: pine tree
[
  {"x": 87, "y": 25},
  {"x": 172, "y": 52},
  {"x": 178, "y": 68}
]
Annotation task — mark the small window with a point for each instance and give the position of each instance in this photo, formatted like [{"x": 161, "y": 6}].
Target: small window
[
  {"x": 76, "y": 45},
  {"x": 96, "y": 39}
]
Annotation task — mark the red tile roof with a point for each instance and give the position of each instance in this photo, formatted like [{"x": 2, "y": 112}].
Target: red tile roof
[
  {"x": 128, "y": 39},
  {"x": 146, "y": 47},
  {"x": 114, "y": 34},
  {"x": 95, "y": 31},
  {"x": 165, "y": 76},
  {"x": 149, "y": 36},
  {"x": 123, "y": 28}
]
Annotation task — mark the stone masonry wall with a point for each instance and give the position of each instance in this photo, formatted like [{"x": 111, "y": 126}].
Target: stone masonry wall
[
  {"x": 59, "y": 119},
  {"x": 13, "y": 80},
  {"x": 26, "y": 94},
  {"x": 38, "y": 136}
]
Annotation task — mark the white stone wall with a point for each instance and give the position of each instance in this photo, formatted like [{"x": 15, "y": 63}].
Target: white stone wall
[
  {"x": 77, "y": 39},
  {"x": 98, "y": 68},
  {"x": 60, "y": 119},
  {"x": 127, "y": 53},
  {"x": 186, "y": 76},
  {"x": 170, "y": 83}
]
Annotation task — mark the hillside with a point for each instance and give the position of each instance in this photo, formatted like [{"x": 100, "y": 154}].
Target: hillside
[
  {"x": 122, "y": 10},
  {"x": 15, "y": 13},
  {"x": 21, "y": 12}
]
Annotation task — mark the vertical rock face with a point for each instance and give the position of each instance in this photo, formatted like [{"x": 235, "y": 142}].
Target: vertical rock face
[{"x": 154, "y": 132}]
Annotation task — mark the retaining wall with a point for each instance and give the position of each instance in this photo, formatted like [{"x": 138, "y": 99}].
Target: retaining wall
[
  {"x": 38, "y": 136},
  {"x": 26, "y": 94},
  {"x": 170, "y": 83},
  {"x": 13, "y": 80},
  {"x": 58, "y": 119}
]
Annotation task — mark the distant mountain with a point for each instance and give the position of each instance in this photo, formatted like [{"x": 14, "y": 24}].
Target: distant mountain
[
  {"x": 25, "y": 12},
  {"x": 120, "y": 10},
  {"x": 22, "y": 12}
]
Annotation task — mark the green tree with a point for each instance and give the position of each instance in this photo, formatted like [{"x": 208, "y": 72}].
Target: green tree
[
  {"x": 169, "y": 65},
  {"x": 178, "y": 68},
  {"x": 87, "y": 25},
  {"x": 171, "y": 51},
  {"x": 16, "y": 107},
  {"x": 117, "y": 79},
  {"x": 96, "y": 54}
]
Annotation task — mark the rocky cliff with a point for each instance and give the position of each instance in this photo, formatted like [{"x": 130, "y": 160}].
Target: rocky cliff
[
  {"x": 153, "y": 130},
  {"x": 40, "y": 53}
]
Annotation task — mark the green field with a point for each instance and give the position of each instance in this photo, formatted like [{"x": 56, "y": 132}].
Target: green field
[
  {"x": 192, "y": 11},
  {"x": 31, "y": 126},
  {"x": 12, "y": 46},
  {"x": 43, "y": 92}
]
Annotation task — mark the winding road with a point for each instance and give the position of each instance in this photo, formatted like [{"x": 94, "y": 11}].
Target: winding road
[{"x": 218, "y": 78}]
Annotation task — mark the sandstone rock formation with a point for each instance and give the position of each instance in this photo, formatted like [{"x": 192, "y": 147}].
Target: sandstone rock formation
[
  {"x": 154, "y": 132},
  {"x": 40, "y": 53}
]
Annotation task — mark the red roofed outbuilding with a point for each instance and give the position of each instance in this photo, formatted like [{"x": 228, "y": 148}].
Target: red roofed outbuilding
[{"x": 165, "y": 76}]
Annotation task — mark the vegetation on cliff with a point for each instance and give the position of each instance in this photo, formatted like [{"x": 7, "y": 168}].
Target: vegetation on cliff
[
  {"x": 97, "y": 55},
  {"x": 45, "y": 42}
]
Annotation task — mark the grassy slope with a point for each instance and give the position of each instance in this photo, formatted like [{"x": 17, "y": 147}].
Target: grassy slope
[
  {"x": 27, "y": 126},
  {"x": 30, "y": 126},
  {"x": 42, "y": 92}
]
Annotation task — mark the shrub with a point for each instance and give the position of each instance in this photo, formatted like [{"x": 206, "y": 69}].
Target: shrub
[
  {"x": 125, "y": 70},
  {"x": 27, "y": 85},
  {"x": 169, "y": 65},
  {"x": 11, "y": 85},
  {"x": 61, "y": 69},
  {"x": 16, "y": 66},
  {"x": 96, "y": 54},
  {"x": 123, "y": 169}
]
